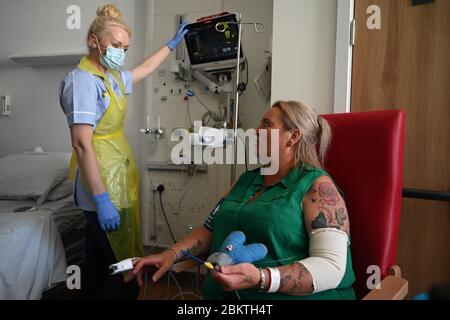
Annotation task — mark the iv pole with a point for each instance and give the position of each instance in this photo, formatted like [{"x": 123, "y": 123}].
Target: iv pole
[{"x": 221, "y": 27}]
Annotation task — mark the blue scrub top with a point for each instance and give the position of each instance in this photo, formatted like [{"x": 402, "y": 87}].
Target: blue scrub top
[{"x": 81, "y": 96}]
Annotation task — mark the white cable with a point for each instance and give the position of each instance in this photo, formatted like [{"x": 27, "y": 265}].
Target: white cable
[
  {"x": 177, "y": 284},
  {"x": 186, "y": 293}
]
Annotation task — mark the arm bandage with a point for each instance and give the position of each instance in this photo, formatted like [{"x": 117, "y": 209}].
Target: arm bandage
[{"x": 327, "y": 258}]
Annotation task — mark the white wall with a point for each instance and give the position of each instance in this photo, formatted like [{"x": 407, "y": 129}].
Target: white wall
[
  {"x": 252, "y": 107},
  {"x": 304, "y": 43},
  {"x": 32, "y": 27}
]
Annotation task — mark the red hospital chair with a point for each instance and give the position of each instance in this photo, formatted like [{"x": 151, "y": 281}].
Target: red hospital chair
[{"x": 365, "y": 160}]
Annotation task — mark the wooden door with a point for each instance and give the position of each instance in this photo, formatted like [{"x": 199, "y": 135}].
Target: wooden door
[{"x": 406, "y": 65}]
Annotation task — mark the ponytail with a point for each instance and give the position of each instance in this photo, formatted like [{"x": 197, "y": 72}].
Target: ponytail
[{"x": 323, "y": 137}]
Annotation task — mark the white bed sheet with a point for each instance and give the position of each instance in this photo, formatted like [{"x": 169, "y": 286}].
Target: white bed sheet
[
  {"x": 62, "y": 211},
  {"x": 31, "y": 251}
]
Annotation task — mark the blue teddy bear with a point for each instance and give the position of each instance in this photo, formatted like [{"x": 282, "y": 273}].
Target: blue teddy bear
[{"x": 234, "y": 251}]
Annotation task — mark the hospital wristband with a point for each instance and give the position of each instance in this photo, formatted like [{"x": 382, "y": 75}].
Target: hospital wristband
[{"x": 275, "y": 279}]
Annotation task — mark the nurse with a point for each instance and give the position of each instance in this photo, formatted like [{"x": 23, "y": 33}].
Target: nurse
[{"x": 94, "y": 98}]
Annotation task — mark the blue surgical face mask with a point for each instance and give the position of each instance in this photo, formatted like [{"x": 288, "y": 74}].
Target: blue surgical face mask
[{"x": 114, "y": 57}]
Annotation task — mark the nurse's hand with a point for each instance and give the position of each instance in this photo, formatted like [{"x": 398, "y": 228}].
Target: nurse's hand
[
  {"x": 162, "y": 261},
  {"x": 173, "y": 43},
  {"x": 236, "y": 277},
  {"x": 107, "y": 214}
]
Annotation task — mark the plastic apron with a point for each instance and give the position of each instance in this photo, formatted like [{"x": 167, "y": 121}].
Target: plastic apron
[{"x": 118, "y": 168}]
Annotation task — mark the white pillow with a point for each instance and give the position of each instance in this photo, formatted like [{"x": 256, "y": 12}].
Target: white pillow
[
  {"x": 32, "y": 175},
  {"x": 62, "y": 191}
]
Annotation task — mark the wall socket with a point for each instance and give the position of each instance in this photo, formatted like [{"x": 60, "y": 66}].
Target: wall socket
[{"x": 5, "y": 102}]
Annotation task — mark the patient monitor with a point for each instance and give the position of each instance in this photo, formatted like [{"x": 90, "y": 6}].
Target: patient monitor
[{"x": 209, "y": 49}]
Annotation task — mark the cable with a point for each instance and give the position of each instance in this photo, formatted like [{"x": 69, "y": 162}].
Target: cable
[
  {"x": 187, "y": 293},
  {"x": 160, "y": 190},
  {"x": 168, "y": 284},
  {"x": 195, "y": 280},
  {"x": 203, "y": 105},
  {"x": 244, "y": 84},
  {"x": 184, "y": 80},
  {"x": 188, "y": 87},
  {"x": 177, "y": 284},
  {"x": 187, "y": 187},
  {"x": 155, "y": 245},
  {"x": 155, "y": 232},
  {"x": 145, "y": 286},
  {"x": 247, "y": 67},
  {"x": 245, "y": 152},
  {"x": 189, "y": 113}
]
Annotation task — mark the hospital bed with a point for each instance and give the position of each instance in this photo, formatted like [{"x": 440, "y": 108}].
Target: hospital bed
[{"x": 41, "y": 232}]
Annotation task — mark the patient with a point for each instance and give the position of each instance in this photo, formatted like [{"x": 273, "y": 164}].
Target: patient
[{"x": 298, "y": 213}]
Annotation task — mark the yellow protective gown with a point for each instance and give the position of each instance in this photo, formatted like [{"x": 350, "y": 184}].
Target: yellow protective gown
[{"x": 118, "y": 168}]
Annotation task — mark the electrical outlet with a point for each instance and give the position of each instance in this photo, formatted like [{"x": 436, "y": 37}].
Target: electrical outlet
[
  {"x": 176, "y": 91},
  {"x": 6, "y": 106}
]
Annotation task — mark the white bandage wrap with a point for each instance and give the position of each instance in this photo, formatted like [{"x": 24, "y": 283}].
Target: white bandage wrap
[
  {"x": 275, "y": 279},
  {"x": 327, "y": 258}
]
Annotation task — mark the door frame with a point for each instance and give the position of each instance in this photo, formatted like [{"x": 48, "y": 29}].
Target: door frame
[{"x": 344, "y": 56}]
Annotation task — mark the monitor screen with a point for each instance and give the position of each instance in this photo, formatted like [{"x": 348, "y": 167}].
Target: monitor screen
[{"x": 206, "y": 45}]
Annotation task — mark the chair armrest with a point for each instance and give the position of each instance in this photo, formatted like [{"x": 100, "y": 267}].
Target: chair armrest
[{"x": 393, "y": 287}]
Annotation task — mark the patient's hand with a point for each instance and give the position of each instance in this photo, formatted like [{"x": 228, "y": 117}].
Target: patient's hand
[
  {"x": 237, "y": 277},
  {"x": 162, "y": 261}
]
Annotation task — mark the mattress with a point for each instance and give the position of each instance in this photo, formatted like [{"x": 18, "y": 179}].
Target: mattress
[
  {"x": 62, "y": 211},
  {"x": 31, "y": 250}
]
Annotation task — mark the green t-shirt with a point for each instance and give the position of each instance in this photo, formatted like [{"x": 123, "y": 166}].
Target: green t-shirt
[{"x": 275, "y": 219}]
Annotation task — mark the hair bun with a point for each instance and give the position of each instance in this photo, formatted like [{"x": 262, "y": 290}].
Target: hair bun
[{"x": 109, "y": 10}]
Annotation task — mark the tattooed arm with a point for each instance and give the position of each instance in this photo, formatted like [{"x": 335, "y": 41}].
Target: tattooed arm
[
  {"x": 197, "y": 243},
  {"x": 323, "y": 207}
]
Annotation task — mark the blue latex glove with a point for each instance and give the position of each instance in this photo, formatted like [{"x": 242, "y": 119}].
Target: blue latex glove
[
  {"x": 173, "y": 43},
  {"x": 234, "y": 251},
  {"x": 107, "y": 214}
]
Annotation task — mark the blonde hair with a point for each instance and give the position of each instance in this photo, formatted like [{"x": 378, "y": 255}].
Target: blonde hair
[
  {"x": 314, "y": 130},
  {"x": 107, "y": 15}
]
